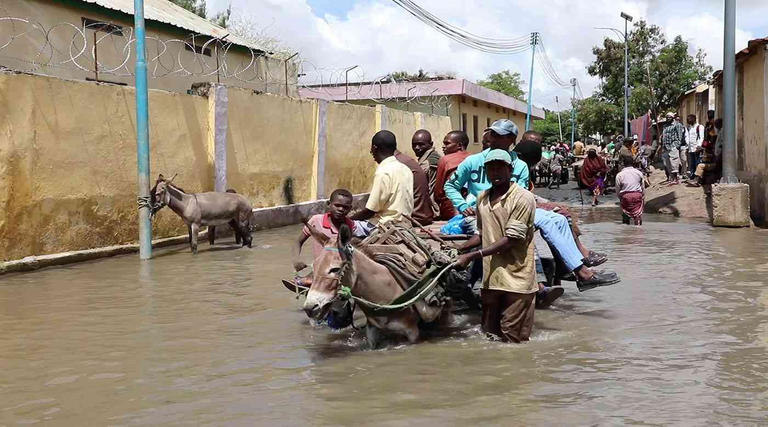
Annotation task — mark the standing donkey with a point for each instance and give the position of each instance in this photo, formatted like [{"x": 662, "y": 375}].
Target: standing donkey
[{"x": 209, "y": 209}]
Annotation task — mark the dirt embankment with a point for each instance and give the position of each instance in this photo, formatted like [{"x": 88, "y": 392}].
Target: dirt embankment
[{"x": 679, "y": 200}]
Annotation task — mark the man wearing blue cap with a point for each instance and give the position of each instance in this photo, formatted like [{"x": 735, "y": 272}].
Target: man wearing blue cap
[
  {"x": 471, "y": 172},
  {"x": 505, "y": 222},
  {"x": 554, "y": 228}
]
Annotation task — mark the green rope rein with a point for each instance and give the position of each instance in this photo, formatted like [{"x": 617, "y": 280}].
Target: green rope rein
[{"x": 346, "y": 293}]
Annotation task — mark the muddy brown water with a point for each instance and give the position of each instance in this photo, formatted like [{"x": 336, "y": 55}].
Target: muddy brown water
[{"x": 214, "y": 339}]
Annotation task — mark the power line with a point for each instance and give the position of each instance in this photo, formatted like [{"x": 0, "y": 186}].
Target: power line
[{"x": 485, "y": 44}]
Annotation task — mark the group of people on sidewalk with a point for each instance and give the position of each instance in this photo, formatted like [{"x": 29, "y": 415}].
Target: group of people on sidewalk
[
  {"x": 691, "y": 151},
  {"x": 490, "y": 190}
]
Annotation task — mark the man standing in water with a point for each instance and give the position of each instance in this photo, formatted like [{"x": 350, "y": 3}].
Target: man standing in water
[
  {"x": 505, "y": 224},
  {"x": 630, "y": 187}
]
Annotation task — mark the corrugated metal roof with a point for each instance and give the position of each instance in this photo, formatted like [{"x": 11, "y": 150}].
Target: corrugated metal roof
[
  {"x": 448, "y": 87},
  {"x": 172, "y": 14}
]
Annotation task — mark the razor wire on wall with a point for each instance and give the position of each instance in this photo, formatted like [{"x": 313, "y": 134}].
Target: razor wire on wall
[{"x": 105, "y": 51}]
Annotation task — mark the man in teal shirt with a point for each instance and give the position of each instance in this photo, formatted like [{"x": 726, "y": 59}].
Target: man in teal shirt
[
  {"x": 471, "y": 172},
  {"x": 554, "y": 227}
]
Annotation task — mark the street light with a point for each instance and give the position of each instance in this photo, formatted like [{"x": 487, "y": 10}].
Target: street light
[
  {"x": 627, "y": 20},
  {"x": 346, "y": 82}
]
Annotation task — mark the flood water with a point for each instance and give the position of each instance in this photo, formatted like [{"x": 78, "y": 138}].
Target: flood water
[{"x": 215, "y": 339}]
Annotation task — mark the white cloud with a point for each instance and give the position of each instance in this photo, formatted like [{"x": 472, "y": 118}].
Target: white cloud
[
  {"x": 380, "y": 37},
  {"x": 705, "y": 31}
]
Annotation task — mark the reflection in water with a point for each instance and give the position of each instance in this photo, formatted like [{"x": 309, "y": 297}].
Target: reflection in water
[{"x": 215, "y": 339}]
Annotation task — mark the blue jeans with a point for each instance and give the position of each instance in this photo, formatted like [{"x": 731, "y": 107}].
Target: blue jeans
[{"x": 556, "y": 231}]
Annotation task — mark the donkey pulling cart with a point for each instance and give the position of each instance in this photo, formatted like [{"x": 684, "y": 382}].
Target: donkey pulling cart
[{"x": 399, "y": 276}]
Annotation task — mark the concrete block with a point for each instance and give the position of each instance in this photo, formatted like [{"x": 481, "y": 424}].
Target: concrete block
[{"x": 730, "y": 205}]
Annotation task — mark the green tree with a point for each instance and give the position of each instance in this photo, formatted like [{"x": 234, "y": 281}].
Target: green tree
[
  {"x": 506, "y": 82},
  {"x": 222, "y": 18},
  {"x": 195, "y": 6},
  {"x": 549, "y": 128},
  {"x": 594, "y": 115},
  {"x": 420, "y": 76},
  {"x": 659, "y": 71}
]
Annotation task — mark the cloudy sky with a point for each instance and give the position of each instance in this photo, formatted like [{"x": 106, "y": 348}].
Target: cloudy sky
[{"x": 380, "y": 37}]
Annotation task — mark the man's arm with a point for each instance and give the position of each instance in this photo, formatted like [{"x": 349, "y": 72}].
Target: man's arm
[
  {"x": 361, "y": 214},
  {"x": 523, "y": 176},
  {"x": 502, "y": 245},
  {"x": 298, "y": 264},
  {"x": 454, "y": 185},
  {"x": 376, "y": 200}
]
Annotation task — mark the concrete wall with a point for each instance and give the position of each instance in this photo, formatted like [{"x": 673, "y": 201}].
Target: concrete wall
[
  {"x": 269, "y": 147},
  {"x": 29, "y": 53},
  {"x": 486, "y": 113},
  {"x": 348, "y": 162},
  {"x": 68, "y": 162},
  {"x": 68, "y": 155},
  {"x": 752, "y": 130}
]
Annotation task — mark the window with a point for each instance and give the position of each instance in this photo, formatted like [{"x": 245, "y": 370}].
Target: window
[
  {"x": 463, "y": 100},
  {"x": 474, "y": 128},
  {"x": 107, "y": 27},
  {"x": 464, "y": 122},
  {"x": 197, "y": 49},
  {"x": 497, "y": 110},
  {"x": 474, "y": 103},
  {"x": 487, "y": 122}
]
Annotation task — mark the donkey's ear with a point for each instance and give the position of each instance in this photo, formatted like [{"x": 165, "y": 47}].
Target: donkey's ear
[
  {"x": 345, "y": 235},
  {"x": 160, "y": 178},
  {"x": 320, "y": 237}
]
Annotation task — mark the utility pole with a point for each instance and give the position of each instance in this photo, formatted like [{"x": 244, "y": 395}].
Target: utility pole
[
  {"x": 534, "y": 41},
  {"x": 346, "y": 82},
  {"x": 627, "y": 19},
  {"x": 729, "y": 94},
  {"x": 559, "y": 123},
  {"x": 142, "y": 133},
  {"x": 573, "y": 113}
]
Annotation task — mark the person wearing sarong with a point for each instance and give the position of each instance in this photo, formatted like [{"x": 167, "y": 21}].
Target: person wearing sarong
[
  {"x": 593, "y": 174},
  {"x": 630, "y": 187}
]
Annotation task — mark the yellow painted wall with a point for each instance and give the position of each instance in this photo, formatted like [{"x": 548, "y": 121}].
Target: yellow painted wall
[
  {"x": 68, "y": 162},
  {"x": 752, "y": 131},
  {"x": 263, "y": 73},
  {"x": 438, "y": 126},
  {"x": 68, "y": 156},
  {"x": 484, "y": 113},
  {"x": 269, "y": 140},
  {"x": 348, "y": 162},
  {"x": 753, "y": 113},
  {"x": 403, "y": 124}
]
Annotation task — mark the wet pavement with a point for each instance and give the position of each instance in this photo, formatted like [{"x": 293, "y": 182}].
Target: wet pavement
[{"x": 215, "y": 339}]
